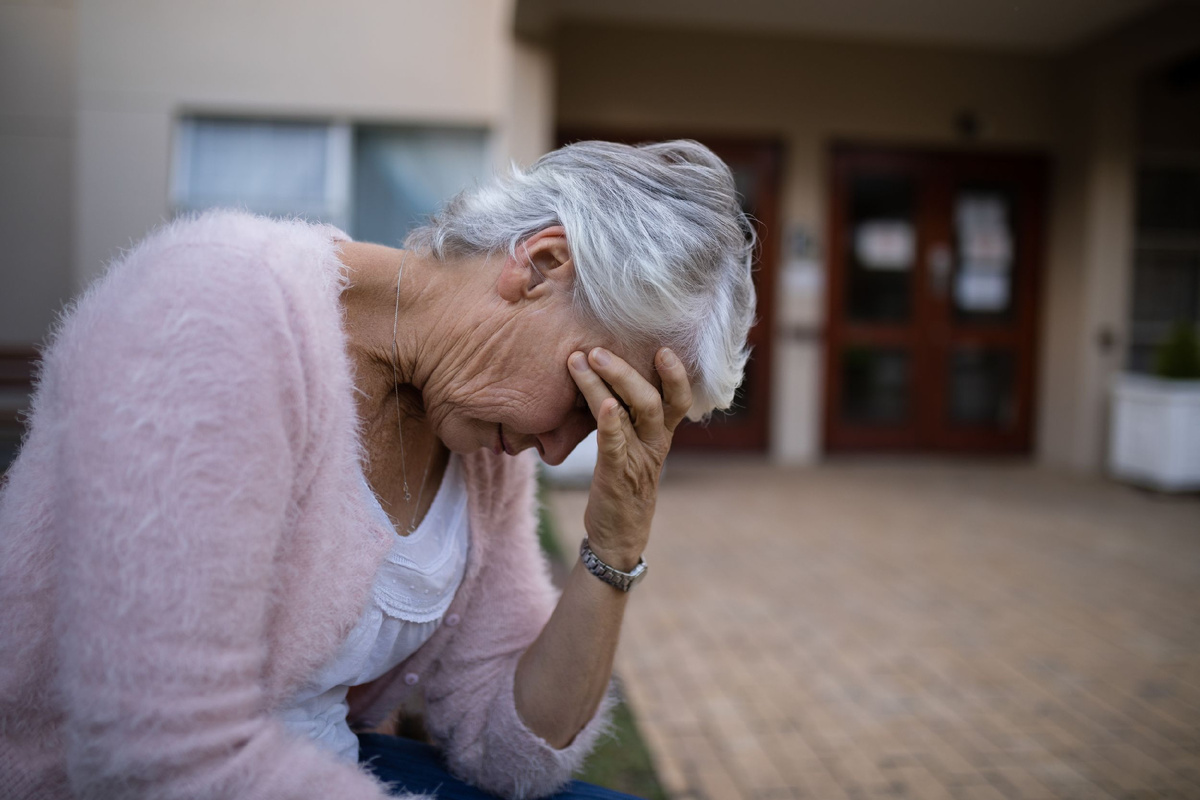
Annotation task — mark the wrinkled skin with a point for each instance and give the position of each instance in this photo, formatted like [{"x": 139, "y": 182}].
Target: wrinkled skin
[{"x": 494, "y": 354}]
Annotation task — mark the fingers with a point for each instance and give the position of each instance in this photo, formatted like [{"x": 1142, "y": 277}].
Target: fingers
[
  {"x": 649, "y": 411},
  {"x": 605, "y": 408},
  {"x": 677, "y": 389},
  {"x": 642, "y": 399},
  {"x": 593, "y": 387},
  {"x": 610, "y": 429}
]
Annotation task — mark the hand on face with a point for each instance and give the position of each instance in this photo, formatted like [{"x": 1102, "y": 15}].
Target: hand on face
[{"x": 632, "y": 446}]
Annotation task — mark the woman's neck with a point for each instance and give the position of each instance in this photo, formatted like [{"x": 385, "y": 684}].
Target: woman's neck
[
  {"x": 390, "y": 344},
  {"x": 401, "y": 340},
  {"x": 383, "y": 311}
]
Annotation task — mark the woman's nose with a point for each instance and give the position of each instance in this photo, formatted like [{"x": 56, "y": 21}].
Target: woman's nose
[{"x": 557, "y": 444}]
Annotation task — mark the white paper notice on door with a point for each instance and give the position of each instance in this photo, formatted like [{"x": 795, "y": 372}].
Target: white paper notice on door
[
  {"x": 983, "y": 282},
  {"x": 885, "y": 244},
  {"x": 980, "y": 291}
]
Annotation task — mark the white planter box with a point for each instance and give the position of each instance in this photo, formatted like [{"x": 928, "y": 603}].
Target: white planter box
[{"x": 1156, "y": 432}]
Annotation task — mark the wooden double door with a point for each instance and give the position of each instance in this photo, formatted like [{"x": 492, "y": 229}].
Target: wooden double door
[{"x": 933, "y": 264}]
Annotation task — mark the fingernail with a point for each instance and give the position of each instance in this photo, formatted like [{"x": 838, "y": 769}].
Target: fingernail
[
  {"x": 579, "y": 362},
  {"x": 668, "y": 358},
  {"x": 601, "y": 357}
]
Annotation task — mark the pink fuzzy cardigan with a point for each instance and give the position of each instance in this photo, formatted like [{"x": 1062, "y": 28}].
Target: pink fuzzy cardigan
[{"x": 182, "y": 543}]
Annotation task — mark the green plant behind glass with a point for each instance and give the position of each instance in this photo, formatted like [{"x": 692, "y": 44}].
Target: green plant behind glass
[{"x": 1178, "y": 358}]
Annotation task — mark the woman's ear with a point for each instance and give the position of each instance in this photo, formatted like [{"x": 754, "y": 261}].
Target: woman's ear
[{"x": 543, "y": 265}]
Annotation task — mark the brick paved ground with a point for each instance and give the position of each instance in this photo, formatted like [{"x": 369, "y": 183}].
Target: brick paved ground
[{"x": 914, "y": 630}]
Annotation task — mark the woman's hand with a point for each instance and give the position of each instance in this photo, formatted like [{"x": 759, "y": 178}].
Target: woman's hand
[
  {"x": 562, "y": 676},
  {"x": 634, "y": 436}
]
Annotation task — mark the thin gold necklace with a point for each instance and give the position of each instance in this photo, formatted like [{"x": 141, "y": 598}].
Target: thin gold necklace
[{"x": 412, "y": 524}]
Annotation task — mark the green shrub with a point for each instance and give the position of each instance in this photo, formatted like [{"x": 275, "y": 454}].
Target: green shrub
[{"x": 1178, "y": 358}]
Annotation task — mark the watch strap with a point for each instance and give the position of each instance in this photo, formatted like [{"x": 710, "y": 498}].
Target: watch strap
[{"x": 609, "y": 574}]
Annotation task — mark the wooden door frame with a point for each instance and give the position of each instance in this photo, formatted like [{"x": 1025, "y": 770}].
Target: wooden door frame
[
  {"x": 766, "y": 267},
  {"x": 934, "y": 168}
]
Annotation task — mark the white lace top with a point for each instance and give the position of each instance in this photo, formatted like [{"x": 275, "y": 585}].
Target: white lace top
[{"x": 413, "y": 589}]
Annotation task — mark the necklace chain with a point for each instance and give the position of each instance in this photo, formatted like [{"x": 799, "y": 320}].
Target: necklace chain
[{"x": 412, "y": 524}]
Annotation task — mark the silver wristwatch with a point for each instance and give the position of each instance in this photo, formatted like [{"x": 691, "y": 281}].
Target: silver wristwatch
[{"x": 611, "y": 575}]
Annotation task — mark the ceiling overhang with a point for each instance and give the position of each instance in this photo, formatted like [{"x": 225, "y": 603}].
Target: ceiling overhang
[{"x": 1046, "y": 26}]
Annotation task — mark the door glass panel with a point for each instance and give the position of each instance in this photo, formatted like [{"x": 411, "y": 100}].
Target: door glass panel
[
  {"x": 883, "y": 247},
  {"x": 985, "y": 244},
  {"x": 748, "y": 180},
  {"x": 981, "y": 387},
  {"x": 875, "y": 385},
  {"x": 743, "y": 424}
]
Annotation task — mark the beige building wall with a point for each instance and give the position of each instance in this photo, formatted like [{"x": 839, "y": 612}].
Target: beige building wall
[
  {"x": 525, "y": 130},
  {"x": 90, "y": 91},
  {"x": 1085, "y": 305},
  {"x": 141, "y": 65},
  {"x": 808, "y": 94},
  {"x": 1087, "y": 302},
  {"x": 37, "y": 103}
]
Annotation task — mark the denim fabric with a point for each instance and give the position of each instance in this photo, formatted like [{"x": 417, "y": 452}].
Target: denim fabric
[{"x": 417, "y": 767}]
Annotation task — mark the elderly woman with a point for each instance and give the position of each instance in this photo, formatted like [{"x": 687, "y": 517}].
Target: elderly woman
[{"x": 273, "y": 484}]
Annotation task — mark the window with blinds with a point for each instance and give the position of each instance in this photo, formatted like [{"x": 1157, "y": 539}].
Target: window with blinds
[
  {"x": 376, "y": 182},
  {"x": 1166, "y": 273}
]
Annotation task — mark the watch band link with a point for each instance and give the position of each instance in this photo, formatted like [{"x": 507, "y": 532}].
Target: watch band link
[{"x": 611, "y": 575}]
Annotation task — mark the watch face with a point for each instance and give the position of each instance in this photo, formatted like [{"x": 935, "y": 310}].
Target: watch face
[{"x": 638, "y": 573}]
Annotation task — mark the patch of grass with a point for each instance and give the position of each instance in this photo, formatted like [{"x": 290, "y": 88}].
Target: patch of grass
[
  {"x": 546, "y": 535},
  {"x": 620, "y": 761}
]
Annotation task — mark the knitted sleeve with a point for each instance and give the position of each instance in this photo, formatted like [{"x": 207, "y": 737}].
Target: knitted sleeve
[
  {"x": 180, "y": 444},
  {"x": 470, "y": 707}
]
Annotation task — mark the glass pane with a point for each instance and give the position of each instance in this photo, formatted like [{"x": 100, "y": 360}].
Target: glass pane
[
  {"x": 985, "y": 243},
  {"x": 266, "y": 167},
  {"x": 1166, "y": 274},
  {"x": 1168, "y": 198},
  {"x": 747, "y": 177},
  {"x": 883, "y": 247},
  {"x": 402, "y": 175},
  {"x": 875, "y": 385},
  {"x": 981, "y": 387},
  {"x": 1166, "y": 285}
]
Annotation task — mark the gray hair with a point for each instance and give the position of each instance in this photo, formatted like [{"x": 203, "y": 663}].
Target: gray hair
[{"x": 661, "y": 249}]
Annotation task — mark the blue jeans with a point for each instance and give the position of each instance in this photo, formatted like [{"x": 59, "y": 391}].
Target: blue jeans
[{"x": 417, "y": 767}]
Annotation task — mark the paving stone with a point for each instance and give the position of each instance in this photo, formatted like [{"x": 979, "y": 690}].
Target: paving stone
[
  {"x": 666, "y": 756},
  {"x": 1019, "y": 784},
  {"x": 714, "y": 782},
  {"x": 914, "y": 629},
  {"x": 921, "y": 784}
]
